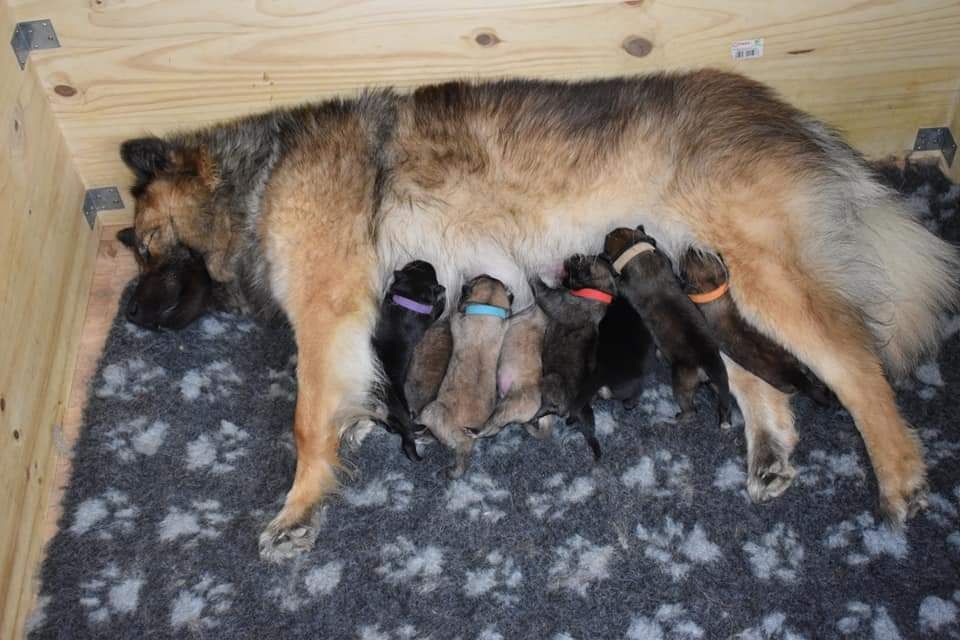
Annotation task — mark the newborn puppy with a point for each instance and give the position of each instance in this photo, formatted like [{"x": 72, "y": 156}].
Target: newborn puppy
[
  {"x": 647, "y": 281},
  {"x": 574, "y": 313},
  {"x": 519, "y": 372},
  {"x": 412, "y": 303},
  {"x": 171, "y": 294},
  {"x": 429, "y": 365},
  {"x": 706, "y": 284},
  {"x": 622, "y": 352},
  {"x": 468, "y": 392}
]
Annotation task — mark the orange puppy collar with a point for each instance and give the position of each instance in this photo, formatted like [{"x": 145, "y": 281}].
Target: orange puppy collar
[
  {"x": 710, "y": 296},
  {"x": 593, "y": 294}
]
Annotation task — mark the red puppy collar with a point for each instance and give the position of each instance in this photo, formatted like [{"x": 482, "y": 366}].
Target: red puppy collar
[{"x": 593, "y": 294}]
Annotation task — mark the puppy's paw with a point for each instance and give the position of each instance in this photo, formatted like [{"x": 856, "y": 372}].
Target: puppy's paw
[
  {"x": 280, "y": 541},
  {"x": 770, "y": 479},
  {"x": 542, "y": 429}
]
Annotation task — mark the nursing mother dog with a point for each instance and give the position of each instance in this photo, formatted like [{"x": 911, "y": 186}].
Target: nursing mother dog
[{"x": 509, "y": 178}]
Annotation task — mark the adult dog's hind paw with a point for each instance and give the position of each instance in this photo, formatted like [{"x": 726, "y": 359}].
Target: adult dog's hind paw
[{"x": 770, "y": 479}]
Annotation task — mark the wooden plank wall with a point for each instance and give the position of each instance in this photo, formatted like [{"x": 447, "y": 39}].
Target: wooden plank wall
[
  {"x": 46, "y": 259},
  {"x": 879, "y": 69}
]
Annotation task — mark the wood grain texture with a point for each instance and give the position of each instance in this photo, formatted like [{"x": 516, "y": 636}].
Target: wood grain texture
[
  {"x": 878, "y": 69},
  {"x": 46, "y": 255}
]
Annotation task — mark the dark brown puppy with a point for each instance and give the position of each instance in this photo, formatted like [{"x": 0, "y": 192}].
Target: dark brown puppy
[
  {"x": 622, "y": 353},
  {"x": 647, "y": 281},
  {"x": 705, "y": 281},
  {"x": 172, "y": 292},
  {"x": 429, "y": 365},
  {"x": 570, "y": 341},
  {"x": 411, "y": 304}
]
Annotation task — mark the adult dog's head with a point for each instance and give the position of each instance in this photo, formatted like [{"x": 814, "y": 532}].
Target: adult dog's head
[
  {"x": 171, "y": 292},
  {"x": 179, "y": 245}
]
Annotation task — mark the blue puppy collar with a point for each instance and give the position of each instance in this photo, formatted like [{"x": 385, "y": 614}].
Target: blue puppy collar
[{"x": 485, "y": 310}]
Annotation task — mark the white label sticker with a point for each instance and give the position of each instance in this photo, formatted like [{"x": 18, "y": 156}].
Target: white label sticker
[{"x": 746, "y": 49}]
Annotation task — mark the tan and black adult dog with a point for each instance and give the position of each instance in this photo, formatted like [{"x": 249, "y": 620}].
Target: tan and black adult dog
[{"x": 510, "y": 177}]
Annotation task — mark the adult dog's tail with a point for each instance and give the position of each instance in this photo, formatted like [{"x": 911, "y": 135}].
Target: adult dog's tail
[{"x": 921, "y": 272}]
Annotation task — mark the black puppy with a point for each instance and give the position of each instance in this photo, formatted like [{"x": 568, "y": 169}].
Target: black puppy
[
  {"x": 412, "y": 303},
  {"x": 574, "y": 313},
  {"x": 646, "y": 280},
  {"x": 705, "y": 282},
  {"x": 622, "y": 349},
  {"x": 171, "y": 294}
]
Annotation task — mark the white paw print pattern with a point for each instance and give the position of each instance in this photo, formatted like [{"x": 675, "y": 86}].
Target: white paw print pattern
[
  {"x": 657, "y": 402},
  {"x": 110, "y": 594},
  {"x": 604, "y": 423},
  {"x": 392, "y": 490},
  {"x": 403, "y": 632},
  {"x": 560, "y": 496},
  {"x": 217, "y": 452},
  {"x": 217, "y": 380},
  {"x": 477, "y": 495},
  {"x": 129, "y": 379},
  {"x": 823, "y": 471},
  {"x": 943, "y": 510},
  {"x": 418, "y": 568},
  {"x": 107, "y": 515},
  {"x": 670, "y": 622},
  {"x": 772, "y": 627},
  {"x": 578, "y": 564},
  {"x": 498, "y": 579},
  {"x": 662, "y": 476},
  {"x": 777, "y": 555},
  {"x": 864, "y": 539},
  {"x": 940, "y": 614},
  {"x": 197, "y": 608},
  {"x": 283, "y": 382},
  {"x": 860, "y": 619},
  {"x": 305, "y": 587},
  {"x": 731, "y": 476},
  {"x": 187, "y": 527},
  {"x": 936, "y": 449},
  {"x": 676, "y": 551},
  {"x": 138, "y": 437}
]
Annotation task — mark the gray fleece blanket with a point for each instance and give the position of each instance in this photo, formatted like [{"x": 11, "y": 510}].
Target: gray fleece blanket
[{"x": 186, "y": 453}]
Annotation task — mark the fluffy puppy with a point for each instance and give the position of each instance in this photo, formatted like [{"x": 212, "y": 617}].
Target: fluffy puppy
[
  {"x": 412, "y": 303},
  {"x": 468, "y": 393},
  {"x": 519, "y": 372},
  {"x": 622, "y": 349},
  {"x": 705, "y": 282},
  {"x": 429, "y": 365},
  {"x": 574, "y": 313},
  {"x": 172, "y": 292},
  {"x": 646, "y": 280}
]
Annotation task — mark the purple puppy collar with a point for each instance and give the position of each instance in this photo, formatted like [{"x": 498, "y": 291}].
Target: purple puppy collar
[{"x": 413, "y": 305}]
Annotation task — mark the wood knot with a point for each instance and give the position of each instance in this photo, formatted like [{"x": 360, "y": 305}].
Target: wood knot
[
  {"x": 65, "y": 90},
  {"x": 3, "y": 404},
  {"x": 16, "y": 434},
  {"x": 487, "y": 39},
  {"x": 637, "y": 47},
  {"x": 633, "y": 3}
]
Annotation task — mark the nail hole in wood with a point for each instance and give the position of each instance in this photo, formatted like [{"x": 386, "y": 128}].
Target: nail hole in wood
[
  {"x": 637, "y": 47},
  {"x": 3, "y": 404},
  {"x": 16, "y": 125},
  {"x": 65, "y": 90},
  {"x": 16, "y": 434},
  {"x": 487, "y": 39}
]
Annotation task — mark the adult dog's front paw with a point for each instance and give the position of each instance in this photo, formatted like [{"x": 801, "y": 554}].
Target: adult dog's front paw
[
  {"x": 898, "y": 508},
  {"x": 282, "y": 541},
  {"x": 770, "y": 477}
]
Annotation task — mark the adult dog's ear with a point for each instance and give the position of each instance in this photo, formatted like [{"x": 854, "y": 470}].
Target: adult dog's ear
[
  {"x": 127, "y": 237},
  {"x": 146, "y": 157}
]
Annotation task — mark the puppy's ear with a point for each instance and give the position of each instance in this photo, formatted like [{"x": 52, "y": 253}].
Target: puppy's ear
[
  {"x": 146, "y": 157},
  {"x": 439, "y": 292},
  {"x": 641, "y": 229},
  {"x": 127, "y": 237}
]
